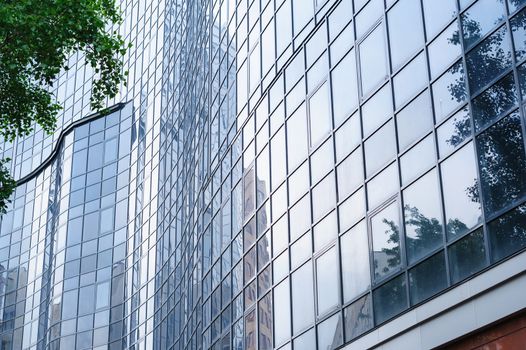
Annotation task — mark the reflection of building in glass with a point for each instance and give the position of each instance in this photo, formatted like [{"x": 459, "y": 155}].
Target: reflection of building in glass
[{"x": 283, "y": 174}]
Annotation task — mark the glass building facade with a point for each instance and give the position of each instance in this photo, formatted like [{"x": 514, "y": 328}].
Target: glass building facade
[{"x": 279, "y": 174}]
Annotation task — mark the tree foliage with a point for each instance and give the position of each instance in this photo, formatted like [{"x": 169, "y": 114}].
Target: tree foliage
[{"x": 36, "y": 39}]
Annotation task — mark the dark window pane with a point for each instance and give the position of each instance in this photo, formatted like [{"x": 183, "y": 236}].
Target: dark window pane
[
  {"x": 467, "y": 256},
  {"x": 330, "y": 333},
  {"x": 358, "y": 317},
  {"x": 508, "y": 233},
  {"x": 428, "y": 278},
  {"x": 489, "y": 105},
  {"x": 422, "y": 217},
  {"x": 502, "y": 163},
  {"x": 480, "y": 18},
  {"x": 488, "y": 60},
  {"x": 460, "y": 188},
  {"x": 390, "y": 299},
  {"x": 518, "y": 28},
  {"x": 386, "y": 240},
  {"x": 522, "y": 80}
]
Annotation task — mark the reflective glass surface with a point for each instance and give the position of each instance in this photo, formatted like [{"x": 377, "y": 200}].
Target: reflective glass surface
[{"x": 284, "y": 174}]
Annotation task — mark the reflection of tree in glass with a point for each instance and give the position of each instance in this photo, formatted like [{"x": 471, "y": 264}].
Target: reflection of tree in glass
[
  {"x": 428, "y": 231},
  {"x": 502, "y": 163},
  {"x": 501, "y": 152},
  {"x": 388, "y": 257}
]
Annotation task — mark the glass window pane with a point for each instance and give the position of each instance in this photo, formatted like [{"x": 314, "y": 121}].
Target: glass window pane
[
  {"x": 301, "y": 250},
  {"x": 460, "y": 189},
  {"x": 480, "y": 18},
  {"x": 344, "y": 88},
  {"x": 418, "y": 159},
  {"x": 414, "y": 120},
  {"x": 380, "y": 148},
  {"x": 422, "y": 217},
  {"x": 508, "y": 233},
  {"x": 488, "y": 60},
  {"x": 377, "y": 110},
  {"x": 490, "y": 104},
  {"x": 282, "y": 312},
  {"x": 385, "y": 229},
  {"x": 444, "y": 49},
  {"x": 519, "y": 34},
  {"x": 373, "y": 60},
  {"x": 323, "y": 197},
  {"x": 306, "y": 341},
  {"x": 297, "y": 138},
  {"x": 428, "y": 278},
  {"x": 405, "y": 36},
  {"x": 467, "y": 256},
  {"x": 265, "y": 323},
  {"x": 502, "y": 163},
  {"x": 327, "y": 281},
  {"x": 382, "y": 186},
  {"x": 320, "y": 118},
  {"x": 352, "y": 209},
  {"x": 438, "y": 14},
  {"x": 515, "y": 4},
  {"x": 453, "y": 132},
  {"x": 368, "y": 16},
  {"x": 410, "y": 80},
  {"x": 449, "y": 91},
  {"x": 302, "y": 298},
  {"x": 250, "y": 330},
  {"x": 330, "y": 334},
  {"x": 356, "y": 274},
  {"x": 350, "y": 174},
  {"x": 358, "y": 317},
  {"x": 348, "y": 137},
  {"x": 302, "y": 13},
  {"x": 322, "y": 161},
  {"x": 299, "y": 218},
  {"x": 325, "y": 231},
  {"x": 278, "y": 158},
  {"x": 390, "y": 299}
]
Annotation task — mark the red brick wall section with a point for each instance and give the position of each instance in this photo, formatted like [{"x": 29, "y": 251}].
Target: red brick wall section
[{"x": 507, "y": 335}]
